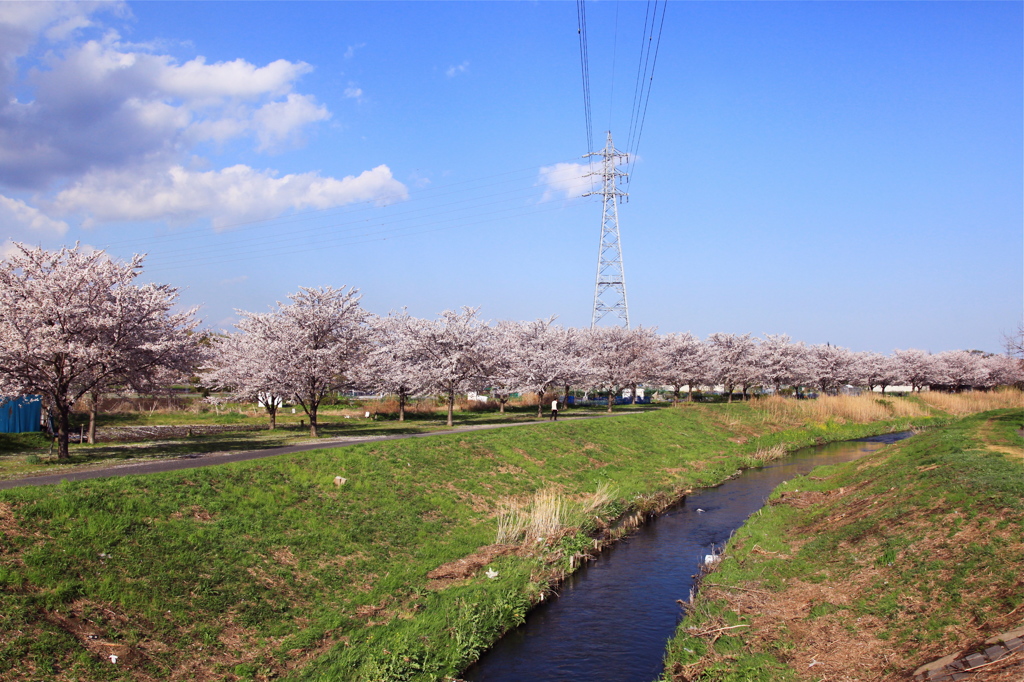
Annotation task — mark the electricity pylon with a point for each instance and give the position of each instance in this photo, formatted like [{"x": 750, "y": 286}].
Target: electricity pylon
[{"x": 610, "y": 287}]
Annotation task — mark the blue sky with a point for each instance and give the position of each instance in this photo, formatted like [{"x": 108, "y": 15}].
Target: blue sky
[{"x": 841, "y": 172}]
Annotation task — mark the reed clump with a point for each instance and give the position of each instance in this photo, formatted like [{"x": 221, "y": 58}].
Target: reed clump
[
  {"x": 765, "y": 455},
  {"x": 841, "y": 408},
  {"x": 969, "y": 402},
  {"x": 548, "y": 514}
]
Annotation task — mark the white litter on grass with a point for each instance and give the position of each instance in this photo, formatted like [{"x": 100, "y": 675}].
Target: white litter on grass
[
  {"x": 711, "y": 558},
  {"x": 492, "y": 574},
  {"x": 340, "y": 481},
  {"x": 113, "y": 658}
]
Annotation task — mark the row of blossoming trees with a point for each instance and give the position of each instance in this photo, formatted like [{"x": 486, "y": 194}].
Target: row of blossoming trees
[
  {"x": 322, "y": 341},
  {"x": 74, "y": 323}
]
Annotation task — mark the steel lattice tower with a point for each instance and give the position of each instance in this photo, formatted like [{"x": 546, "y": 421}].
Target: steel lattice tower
[{"x": 610, "y": 287}]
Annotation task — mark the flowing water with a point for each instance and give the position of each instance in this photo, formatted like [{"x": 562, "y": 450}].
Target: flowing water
[{"x": 613, "y": 618}]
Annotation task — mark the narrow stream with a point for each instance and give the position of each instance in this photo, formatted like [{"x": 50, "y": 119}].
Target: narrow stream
[{"x": 613, "y": 618}]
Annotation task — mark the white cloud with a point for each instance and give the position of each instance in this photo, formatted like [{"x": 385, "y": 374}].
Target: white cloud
[
  {"x": 101, "y": 104},
  {"x": 567, "y": 179},
  {"x": 352, "y": 92},
  {"x": 278, "y": 123},
  {"x": 197, "y": 80},
  {"x": 455, "y": 70},
  {"x": 16, "y": 215},
  {"x": 351, "y": 50},
  {"x": 227, "y": 196},
  {"x": 107, "y": 126}
]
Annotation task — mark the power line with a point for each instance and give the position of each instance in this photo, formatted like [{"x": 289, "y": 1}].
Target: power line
[
  {"x": 581, "y": 28},
  {"x": 654, "y": 62},
  {"x": 455, "y": 207},
  {"x": 315, "y": 214},
  {"x": 267, "y": 239},
  {"x": 371, "y": 236},
  {"x": 641, "y": 74}
]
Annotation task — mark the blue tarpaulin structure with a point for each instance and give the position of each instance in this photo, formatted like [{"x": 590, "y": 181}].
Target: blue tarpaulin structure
[{"x": 20, "y": 414}]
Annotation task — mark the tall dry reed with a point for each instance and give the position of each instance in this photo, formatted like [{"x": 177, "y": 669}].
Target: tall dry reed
[
  {"x": 765, "y": 455},
  {"x": 547, "y": 514},
  {"x": 973, "y": 401},
  {"x": 860, "y": 408}
]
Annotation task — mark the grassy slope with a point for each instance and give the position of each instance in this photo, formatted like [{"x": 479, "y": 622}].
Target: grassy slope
[
  {"x": 265, "y": 568},
  {"x": 29, "y": 454},
  {"x": 869, "y": 569}
]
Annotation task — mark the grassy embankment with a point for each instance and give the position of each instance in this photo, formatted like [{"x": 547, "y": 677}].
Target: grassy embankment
[
  {"x": 141, "y": 435},
  {"x": 267, "y": 569},
  {"x": 867, "y": 570}
]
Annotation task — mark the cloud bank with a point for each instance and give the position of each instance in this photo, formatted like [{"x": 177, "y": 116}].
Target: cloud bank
[{"x": 94, "y": 127}]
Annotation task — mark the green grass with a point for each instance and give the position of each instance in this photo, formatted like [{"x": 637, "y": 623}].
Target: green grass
[
  {"x": 265, "y": 568},
  {"x": 917, "y": 547},
  {"x": 30, "y": 454}
]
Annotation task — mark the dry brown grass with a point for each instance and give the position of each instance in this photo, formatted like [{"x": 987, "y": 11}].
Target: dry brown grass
[
  {"x": 845, "y": 408},
  {"x": 548, "y": 514},
  {"x": 765, "y": 455},
  {"x": 973, "y": 401}
]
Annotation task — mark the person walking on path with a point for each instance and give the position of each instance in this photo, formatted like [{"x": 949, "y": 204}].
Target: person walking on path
[{"x": 554, "y": 410}]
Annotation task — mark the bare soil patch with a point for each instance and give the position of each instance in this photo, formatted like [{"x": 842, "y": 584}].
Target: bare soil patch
[{"x": 448, "y": 574}]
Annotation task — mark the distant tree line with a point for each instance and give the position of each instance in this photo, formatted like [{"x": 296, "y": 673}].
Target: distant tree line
[{"x": 74, "y": 324}]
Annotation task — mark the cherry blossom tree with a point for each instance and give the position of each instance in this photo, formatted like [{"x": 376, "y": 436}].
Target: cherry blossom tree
[
  {"x": 394, "y": 363},
  {"x": 875, "y": 369},
  {"x": 453, "y": 348},
  {"x": 830, "y": 367},
  {"x": 916, "y": 367},
  {"x": 498, "y": 365},
  {"x": 683, "y": 360},
  {"x": 734, "y": 355},
  {"x": 244, "y": 363},
  {"x": 309, "y": 346},
  {"x": 779, "y": 361},
  {"x": 621, "y": 357},
  {"x": 538, "y": 356},
  {"x": 962, "y": 369},
  {"x": 1003, "y": 370},
  {"x": 74, "y": 321}
]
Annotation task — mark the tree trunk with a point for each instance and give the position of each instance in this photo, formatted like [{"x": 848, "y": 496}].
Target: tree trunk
[
  {"x": 312, "y": 418},
  {"x": 675, "y": 396},
  {"x": 689, "y": 393},
  {"x": 93, "y": 404},
  {"x": 632, "y": 400},
  {"x": 272, "y": 411},
  {"x": 501, "y": 405},
  {"x": 451, "y": 408},
  {"x": 63, "y": 414},
  {"x": 728, "y": 390},
  {"x": 401, "y": 406},
  {"x": 611, "y": 398},
  {"x": 565, "y": 401},
  {"x": 540, "y": 404}
]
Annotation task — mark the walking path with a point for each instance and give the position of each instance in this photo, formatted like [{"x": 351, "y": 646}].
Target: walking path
[{"x": 197, "y": 460}]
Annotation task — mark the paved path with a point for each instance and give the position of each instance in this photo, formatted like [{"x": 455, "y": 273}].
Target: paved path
[{"x": 197, "y": 460}]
